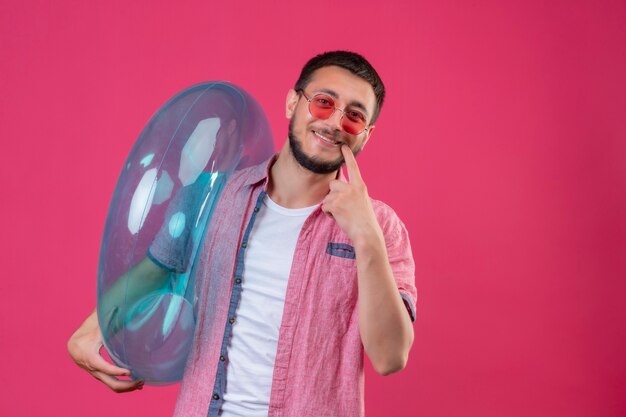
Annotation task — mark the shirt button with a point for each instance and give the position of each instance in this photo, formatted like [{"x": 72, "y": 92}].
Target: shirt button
[
  {"x": 216, "y": 397},
  {"x": 256, "y": 209},
  {"x": 232, "y": 320},
  {"x": 238, "y": 281},
  {"x": 244, "y": 244},
  {"x": 222, "y": 358}
]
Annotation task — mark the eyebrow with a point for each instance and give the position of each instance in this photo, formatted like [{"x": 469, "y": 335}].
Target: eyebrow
[{"x": 334, "y": 94}]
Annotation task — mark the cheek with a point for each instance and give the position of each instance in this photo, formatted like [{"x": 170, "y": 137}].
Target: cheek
[{"x": 300, "y": 123}]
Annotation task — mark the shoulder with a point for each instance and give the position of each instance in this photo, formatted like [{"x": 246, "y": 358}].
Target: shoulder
[
  {"x": 241, "y": 176},
  {"x": 384, "y": 211},
  {"x": 248, "y": 176}
]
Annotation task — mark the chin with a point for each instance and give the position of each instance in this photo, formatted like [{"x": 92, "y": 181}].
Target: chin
[{"x": 311, "y": 163}]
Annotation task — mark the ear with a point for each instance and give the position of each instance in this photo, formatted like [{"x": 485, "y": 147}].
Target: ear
[
  {"x": 369, "y": 135},
  {"x": 291, "y": 102}
]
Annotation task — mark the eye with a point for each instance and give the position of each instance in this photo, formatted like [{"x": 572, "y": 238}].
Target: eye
[
  {"x": 355, "y": 115},
  {"x": 323, "y": 101}
]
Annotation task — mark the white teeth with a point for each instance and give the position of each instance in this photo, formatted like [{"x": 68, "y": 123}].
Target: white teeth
[{"x": 326, "y": 139}]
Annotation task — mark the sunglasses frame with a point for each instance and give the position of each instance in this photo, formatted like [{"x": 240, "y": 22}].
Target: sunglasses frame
[{"x": 343, "y": 112}]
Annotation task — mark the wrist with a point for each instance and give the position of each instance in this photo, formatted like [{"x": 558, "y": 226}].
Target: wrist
[{"x": 368, "y": 238}]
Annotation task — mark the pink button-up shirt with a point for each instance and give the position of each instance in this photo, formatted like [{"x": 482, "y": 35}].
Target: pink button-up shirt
[{"x": 319, "y": 360}]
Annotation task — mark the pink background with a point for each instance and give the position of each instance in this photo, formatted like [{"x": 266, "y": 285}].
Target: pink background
[{"x": 502, "y": 146}]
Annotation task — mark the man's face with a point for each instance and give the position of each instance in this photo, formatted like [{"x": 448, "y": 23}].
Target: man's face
[{"x": 316, "y": 143}]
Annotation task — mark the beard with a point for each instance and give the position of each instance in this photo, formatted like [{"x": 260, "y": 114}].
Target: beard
[{"x": 312, "y": 163}]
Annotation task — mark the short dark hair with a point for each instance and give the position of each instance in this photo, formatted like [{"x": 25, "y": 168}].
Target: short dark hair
[{"x": 350, "y": 61}]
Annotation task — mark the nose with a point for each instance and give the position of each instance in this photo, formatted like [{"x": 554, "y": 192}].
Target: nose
[{"x": 335, "y": 119}]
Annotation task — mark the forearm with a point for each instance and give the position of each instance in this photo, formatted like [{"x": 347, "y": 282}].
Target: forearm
[
  {"x": 385, "y": 326},
  {"x": 140, "y": 280}
]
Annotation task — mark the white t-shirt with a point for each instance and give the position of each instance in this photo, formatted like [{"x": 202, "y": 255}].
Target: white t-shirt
[{"x": 254, "y": 340}]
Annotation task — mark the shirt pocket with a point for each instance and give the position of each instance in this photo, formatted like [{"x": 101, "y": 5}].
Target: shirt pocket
[
  {"x": 341, "y": 250},
  {"x": 340, "y": 273}
]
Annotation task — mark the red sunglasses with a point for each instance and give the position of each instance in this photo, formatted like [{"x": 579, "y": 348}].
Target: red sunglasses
[{"x": 322, "y": 106}]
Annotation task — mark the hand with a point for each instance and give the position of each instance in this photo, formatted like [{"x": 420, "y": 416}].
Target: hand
[
  {"x": 84, "y": 348},
  {"x": 349, "y": 204}
]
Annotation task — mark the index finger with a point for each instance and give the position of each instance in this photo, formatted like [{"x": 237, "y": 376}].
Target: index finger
[{"x": 353, "y": 169}]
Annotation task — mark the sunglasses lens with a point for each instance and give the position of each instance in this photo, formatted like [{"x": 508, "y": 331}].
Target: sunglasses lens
[
  {"x": 351, "y": 126},
  {"x": 322, "y": 106}
]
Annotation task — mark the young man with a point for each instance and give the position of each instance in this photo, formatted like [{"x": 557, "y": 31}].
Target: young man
[{"x": 280, "y": 331}]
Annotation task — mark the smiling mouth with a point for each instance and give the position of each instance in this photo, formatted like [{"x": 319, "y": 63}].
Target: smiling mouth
[{"x": 326, "y": 139}]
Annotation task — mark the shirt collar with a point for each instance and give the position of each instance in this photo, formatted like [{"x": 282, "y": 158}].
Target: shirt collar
[{"x": 261, "y": 172}]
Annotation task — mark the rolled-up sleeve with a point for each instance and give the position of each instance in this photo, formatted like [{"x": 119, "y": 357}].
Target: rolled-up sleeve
[
  {"x": 400, "y": 258},
  {"x": 172, "y": 247}
]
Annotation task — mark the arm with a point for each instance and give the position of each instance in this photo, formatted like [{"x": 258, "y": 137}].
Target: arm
[
  {"x": 141, "y": 279},
  {"x": 85, "y": 344},
  {"x": 385, "y": 327}
]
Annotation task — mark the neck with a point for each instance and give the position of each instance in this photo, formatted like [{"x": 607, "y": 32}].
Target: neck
[{"x": 292, "y": 186}]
